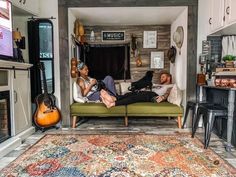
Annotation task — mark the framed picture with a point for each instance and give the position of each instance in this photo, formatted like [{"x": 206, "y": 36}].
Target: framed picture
[
  {"x": 157, "y": 60},
  {"x": 149, "y": 39}
]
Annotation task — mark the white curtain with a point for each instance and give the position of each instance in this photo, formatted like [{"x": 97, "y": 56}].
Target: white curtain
[{"x": 229, "y": 45}]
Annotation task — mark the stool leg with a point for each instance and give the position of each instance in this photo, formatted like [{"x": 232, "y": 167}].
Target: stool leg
[
  {"x": 186, "y": 115},
  {"x": 210, "y": 122},
  {"x": 194, "y": 116},
  {"x": 196, "y": 122}
]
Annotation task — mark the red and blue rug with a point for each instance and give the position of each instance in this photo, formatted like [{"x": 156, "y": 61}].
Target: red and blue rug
[{"x": 118, "y": 156}]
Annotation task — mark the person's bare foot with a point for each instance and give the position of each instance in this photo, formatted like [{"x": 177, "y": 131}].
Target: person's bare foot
[
  {"x": 108, "y": 97},
  {"x": 107, "y": 103}
]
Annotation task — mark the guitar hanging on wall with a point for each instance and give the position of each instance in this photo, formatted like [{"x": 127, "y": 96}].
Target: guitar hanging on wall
[{"x": 46, "y": 114}]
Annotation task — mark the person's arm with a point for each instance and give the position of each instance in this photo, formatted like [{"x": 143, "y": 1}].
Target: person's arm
[
  {"x": 163, "y": 97},
  {"x": 86, "y": 90}
]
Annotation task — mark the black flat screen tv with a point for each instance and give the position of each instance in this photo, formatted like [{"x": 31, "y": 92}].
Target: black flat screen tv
[{"x": 6, "y": 41}]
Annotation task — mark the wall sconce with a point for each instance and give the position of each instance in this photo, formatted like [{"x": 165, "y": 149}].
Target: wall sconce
[{"x": 20, "y": 44}]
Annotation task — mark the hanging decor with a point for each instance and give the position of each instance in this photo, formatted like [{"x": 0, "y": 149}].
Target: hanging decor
[
  {"x": 133, "y": 44},
  {"x": 79, "y": 31},
  {"x": 178, "y": 37}
]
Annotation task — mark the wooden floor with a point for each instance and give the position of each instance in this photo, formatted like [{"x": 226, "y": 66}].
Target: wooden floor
[{"x": 116, "y": 126}]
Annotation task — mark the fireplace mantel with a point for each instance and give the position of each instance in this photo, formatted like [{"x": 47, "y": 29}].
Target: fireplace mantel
[{"x": 11, "y": 64}]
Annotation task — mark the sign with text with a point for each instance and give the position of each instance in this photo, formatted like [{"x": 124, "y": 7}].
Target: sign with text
[{"x": 113, "y": 35}]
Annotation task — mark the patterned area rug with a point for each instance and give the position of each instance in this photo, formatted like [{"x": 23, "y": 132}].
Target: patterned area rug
[{"x": 118, "y": 156}]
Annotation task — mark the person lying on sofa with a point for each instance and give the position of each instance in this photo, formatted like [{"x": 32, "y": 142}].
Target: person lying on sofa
[
  {"x": 158, "y": 94},
  {"x": 88, "y": 85}
]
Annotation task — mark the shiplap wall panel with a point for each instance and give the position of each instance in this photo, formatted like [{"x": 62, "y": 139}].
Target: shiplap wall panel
[{"x": 163, "y": 44}]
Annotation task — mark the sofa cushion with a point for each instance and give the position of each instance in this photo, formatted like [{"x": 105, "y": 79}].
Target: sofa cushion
[
  {"x": 77, "y": 95},
  {"x": 96, "y": 109},
  {"x": 175, "y": 96},
  {"x": 154, "y": 109}
]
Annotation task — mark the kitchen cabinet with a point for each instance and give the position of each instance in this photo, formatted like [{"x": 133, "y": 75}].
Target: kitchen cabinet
[
  {"x": 21, "y": 100},
  {"x": 222, "y": 14},
  {"x": 29, "y": 6},
  {"x": 230, "y": 11},
  {"x": 217, "y": 15}
]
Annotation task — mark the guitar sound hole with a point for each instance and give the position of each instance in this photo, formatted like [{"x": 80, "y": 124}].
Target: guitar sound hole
[{"x": 48, "y": 102}]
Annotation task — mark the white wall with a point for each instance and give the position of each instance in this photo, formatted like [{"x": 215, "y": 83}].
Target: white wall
[
  {"x": 203, "y": 29},
  {"x": 48, "y": 9},
  {"x": 179, "y": 68}
]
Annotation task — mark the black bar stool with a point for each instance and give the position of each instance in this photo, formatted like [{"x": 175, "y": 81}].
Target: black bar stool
[
  {"x": 192, "y": 105},
  {"x": 209, "y": 112}
]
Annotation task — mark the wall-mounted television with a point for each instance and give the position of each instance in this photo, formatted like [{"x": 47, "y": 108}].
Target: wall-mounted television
[{"x": 6, "y": 42}]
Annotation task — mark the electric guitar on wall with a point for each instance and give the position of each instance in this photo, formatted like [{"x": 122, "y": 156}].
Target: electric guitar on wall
[{"x": 46, "y": 114}]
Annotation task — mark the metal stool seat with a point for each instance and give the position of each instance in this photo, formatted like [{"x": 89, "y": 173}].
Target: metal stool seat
[
  {"x": 192, "y": 105},
  {"x": 209, "y": 112}
]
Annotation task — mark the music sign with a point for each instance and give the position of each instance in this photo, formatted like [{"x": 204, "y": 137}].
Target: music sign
[{"x": 113, "y": 35}]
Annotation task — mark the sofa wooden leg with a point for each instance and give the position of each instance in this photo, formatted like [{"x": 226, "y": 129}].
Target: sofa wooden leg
[
  {"x": 126, "y": 121},
  {"x": 74, "y": 120},
  {"x": 179, "y": 121}
]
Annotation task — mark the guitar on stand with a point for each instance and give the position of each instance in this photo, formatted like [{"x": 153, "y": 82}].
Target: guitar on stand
[{"x": 46, "y": 114}]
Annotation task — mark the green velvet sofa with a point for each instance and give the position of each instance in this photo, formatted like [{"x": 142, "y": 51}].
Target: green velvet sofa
[{"x": 164, "y": 109}]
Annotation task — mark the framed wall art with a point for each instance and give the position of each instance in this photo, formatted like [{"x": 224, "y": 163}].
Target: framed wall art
[
  {"x": 150, "y": 39},
  {"x": 157, "y": 60}
]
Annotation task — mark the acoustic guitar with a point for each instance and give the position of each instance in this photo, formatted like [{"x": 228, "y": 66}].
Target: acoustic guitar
[{"x": 46, "y": 114}]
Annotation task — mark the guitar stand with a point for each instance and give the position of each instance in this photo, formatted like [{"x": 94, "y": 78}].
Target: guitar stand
[{"x": 45, "y": 129}]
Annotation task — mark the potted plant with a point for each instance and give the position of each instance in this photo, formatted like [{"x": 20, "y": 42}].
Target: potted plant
[{"x": 229, "y": 61}]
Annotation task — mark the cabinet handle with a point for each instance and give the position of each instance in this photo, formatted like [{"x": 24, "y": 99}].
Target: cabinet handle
[
  {"x": 15, "y": 96},
  {"x": 20, "y": 1},
  {"x": 210, "y": 20},
  {"x": 24, "y": 1},
  {"x": 227, "y": 10}
]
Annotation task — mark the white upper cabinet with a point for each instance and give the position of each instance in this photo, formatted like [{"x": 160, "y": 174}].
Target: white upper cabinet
[
  {"x": 217, "y": 15},
  {"x": 230, "y": 11},
  {"x": 222, "y": 15},
  {"x": 29, "y": 6}
]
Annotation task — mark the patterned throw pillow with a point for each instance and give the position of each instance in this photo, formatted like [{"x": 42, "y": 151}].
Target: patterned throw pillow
[{"x": 175, "y": 96}]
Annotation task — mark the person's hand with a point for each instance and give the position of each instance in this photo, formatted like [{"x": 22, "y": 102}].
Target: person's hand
[
  {"x": 93, "y": 82},
  {"x": 159, "y": 99}
]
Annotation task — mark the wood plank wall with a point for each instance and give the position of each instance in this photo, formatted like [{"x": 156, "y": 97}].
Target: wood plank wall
[{"x": 163, "y": 44}]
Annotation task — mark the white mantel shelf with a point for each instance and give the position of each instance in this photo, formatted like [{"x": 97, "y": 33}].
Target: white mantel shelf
[{"x": 11, "y": 64}]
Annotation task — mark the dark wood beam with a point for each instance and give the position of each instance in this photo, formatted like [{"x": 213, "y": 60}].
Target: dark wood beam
[
  {"x": 64, "y": 65},
  {"x": 128, "y": 3},
  {"x": 192, "y": 52}
]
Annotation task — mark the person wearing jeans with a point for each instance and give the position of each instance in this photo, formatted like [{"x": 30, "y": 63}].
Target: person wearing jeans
[
  {"x": 88, "y": 85},
  {"x": 158, "y": 94}
]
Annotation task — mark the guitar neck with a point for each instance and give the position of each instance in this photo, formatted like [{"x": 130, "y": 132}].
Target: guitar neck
[{"x": 45, "y": 88}]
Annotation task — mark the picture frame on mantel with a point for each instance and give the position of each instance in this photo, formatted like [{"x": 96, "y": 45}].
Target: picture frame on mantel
[
  {"x": 157, "y": 60},
  {"x": 150, "y": 39}
]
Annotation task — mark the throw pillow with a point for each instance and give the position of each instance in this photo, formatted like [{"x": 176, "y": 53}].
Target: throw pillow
[
  {"x": 124, "y": 87},
  {"x": 175, "y": 96},
  {"x": 77, "y": 95}
]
